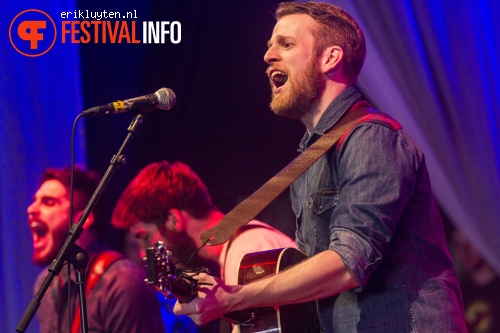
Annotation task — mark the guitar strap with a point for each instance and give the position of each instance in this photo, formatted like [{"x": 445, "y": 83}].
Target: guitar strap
[
  {"x": 244, "y": 212},
  {"x": 96, "y": 270}
]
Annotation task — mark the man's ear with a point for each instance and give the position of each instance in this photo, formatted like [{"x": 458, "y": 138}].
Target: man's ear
[
  {"x": 331, "y": 59},
  {"x": 174, "y": 220},
  {"x": 88, "y": 222}
]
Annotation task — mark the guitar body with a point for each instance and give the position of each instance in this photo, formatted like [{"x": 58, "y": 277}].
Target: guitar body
[{"x": 293, "y": 318}]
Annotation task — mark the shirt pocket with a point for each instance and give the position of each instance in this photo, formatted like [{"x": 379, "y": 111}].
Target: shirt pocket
[{"x": 323, "y": 200}]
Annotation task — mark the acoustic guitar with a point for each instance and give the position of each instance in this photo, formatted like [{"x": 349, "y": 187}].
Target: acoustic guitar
[{"x": 293, "y": 318}]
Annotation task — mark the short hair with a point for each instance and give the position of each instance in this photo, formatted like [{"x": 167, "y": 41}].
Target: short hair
[
  {"x": 336, "y": 28},
  {"x": 157, "y": 188},
  {"x": 85, "y": 182}
]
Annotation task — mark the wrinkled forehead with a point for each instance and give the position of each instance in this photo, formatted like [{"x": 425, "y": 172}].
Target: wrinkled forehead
[
  {"x": 52, "y": 188},
  {"x": 145, "y": 228},
  {"x": 294, "y": 26}
]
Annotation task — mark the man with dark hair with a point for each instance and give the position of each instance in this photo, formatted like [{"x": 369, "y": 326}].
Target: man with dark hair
[
  {"x": 365, "y": 212},
  {"x": 168, "y": 202},
  {"x": 114, "y": 303}
]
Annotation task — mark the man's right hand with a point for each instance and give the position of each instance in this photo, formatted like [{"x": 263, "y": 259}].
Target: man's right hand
[{"x": 214, "y": 300}]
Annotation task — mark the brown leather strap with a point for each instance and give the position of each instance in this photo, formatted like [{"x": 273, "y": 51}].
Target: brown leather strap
[
  {"x": 374, "y": 118},
  {"x": 255, "y": 203},
  {"x": 98, "y": 267}
]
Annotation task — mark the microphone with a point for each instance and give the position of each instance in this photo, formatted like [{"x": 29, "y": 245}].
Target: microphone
[{"x": 163, "y": 99}]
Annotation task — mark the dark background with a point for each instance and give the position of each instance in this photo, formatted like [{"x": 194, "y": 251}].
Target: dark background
[{"x": 221, "y": 124}]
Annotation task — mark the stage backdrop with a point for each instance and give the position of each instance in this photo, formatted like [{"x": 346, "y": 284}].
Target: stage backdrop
[
  {"x": 39, "y": 99},
  {"x": 433, "y": 65}
]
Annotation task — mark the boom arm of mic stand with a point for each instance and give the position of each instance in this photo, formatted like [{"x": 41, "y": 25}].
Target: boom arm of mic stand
[{"x": 65, "y": 254}]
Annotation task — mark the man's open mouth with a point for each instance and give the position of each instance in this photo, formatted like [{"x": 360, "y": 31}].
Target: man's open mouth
[
  {"x": 278, "y": 78},
  {"x": 38, "y": 232}
]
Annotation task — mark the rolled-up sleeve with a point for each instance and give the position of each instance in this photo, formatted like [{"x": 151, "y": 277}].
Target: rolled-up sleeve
[{"x": 376, "y": 175}]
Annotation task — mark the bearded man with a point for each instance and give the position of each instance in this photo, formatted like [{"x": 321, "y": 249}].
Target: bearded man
[
  {"x": 365, "y": 212},
  {"x": 120, "y": 301}
]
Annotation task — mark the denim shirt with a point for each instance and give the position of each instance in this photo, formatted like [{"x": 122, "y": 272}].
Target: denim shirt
[{"x": 370, "y": 201}]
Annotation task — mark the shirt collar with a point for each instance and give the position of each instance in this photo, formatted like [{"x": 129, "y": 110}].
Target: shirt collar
[{"x": 332, "y": 114}]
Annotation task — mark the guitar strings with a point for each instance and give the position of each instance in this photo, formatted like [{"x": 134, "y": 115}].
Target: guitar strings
[
  {"x": 196, "y": 271},
  {"x": 192, "y": 255}
]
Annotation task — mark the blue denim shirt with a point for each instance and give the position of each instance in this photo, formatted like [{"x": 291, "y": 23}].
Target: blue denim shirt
[{"x": 370, "y": 201}]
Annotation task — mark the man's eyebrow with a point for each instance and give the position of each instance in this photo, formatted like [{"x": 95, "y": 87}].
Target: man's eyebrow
[
  {"x": 139, "y": 232},
  {"x": 46, "y": 196},
  {"x": 277, "y": 38}
]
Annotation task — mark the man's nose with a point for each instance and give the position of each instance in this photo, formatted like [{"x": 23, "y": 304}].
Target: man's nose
[
  {"x": 271, "y": 55},
  {"x": 32, "y": 208},
  {"x": 142, "y": 253}
]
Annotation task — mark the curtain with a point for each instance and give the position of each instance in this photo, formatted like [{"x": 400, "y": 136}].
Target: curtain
[
  {"x": 39, "y": 100},
  {"x": 434, "y": 66}
]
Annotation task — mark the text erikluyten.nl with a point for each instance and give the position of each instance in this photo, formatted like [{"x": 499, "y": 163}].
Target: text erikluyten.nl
[{"x": 86, "y": 14}]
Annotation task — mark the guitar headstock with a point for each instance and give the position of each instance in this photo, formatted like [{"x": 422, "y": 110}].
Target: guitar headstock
[
  {"x": 162, "y": 275},
  {"x": 160, "y": 268}
]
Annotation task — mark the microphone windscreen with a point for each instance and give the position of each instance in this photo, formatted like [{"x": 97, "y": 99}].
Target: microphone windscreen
[{"x": 166, "y": 98}]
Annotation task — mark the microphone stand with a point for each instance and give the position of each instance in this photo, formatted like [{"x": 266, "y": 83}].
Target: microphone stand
[{"x": 70, "y": 251}]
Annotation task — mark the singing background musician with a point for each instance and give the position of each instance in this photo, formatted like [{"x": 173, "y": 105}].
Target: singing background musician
[{"x": 120, "y": 301}]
